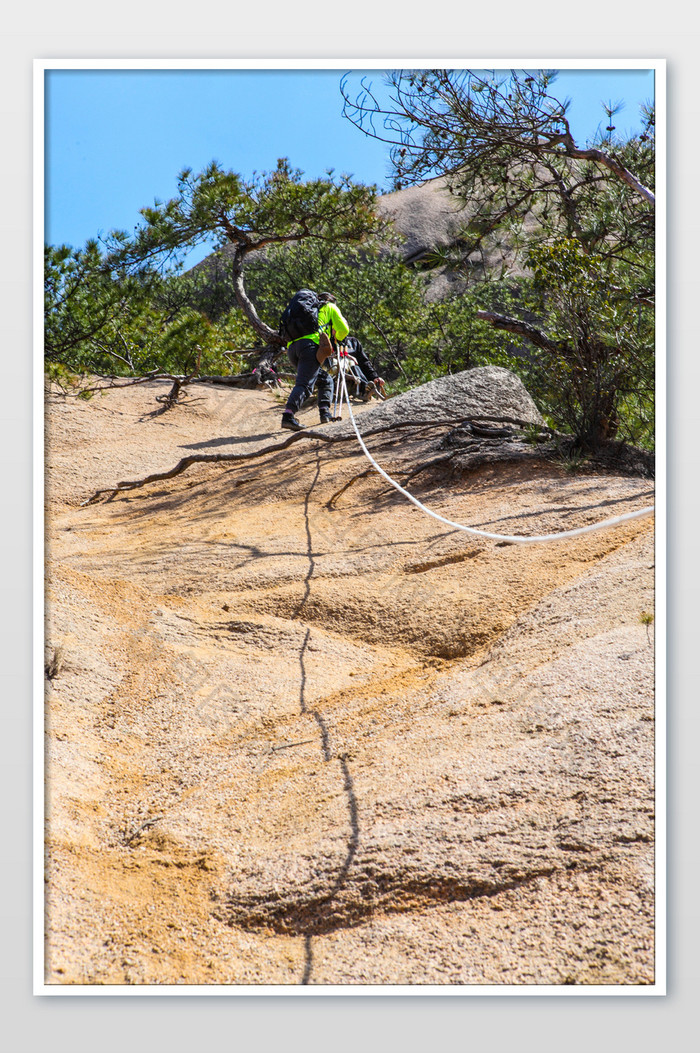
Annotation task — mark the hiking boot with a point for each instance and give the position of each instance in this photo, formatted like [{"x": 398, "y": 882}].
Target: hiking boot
[
  {"x": 326, "y": 417},
  {"x": 290, "y": 422}
]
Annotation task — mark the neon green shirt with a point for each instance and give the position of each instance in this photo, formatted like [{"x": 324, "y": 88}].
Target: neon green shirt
[{"x": 331, "y": 321}]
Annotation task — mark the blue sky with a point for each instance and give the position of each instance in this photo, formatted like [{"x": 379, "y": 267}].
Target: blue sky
[{"x": 115, "y": 139}]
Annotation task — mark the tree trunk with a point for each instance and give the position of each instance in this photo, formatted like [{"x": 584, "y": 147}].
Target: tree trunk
[{"x": 270, "y": 337}]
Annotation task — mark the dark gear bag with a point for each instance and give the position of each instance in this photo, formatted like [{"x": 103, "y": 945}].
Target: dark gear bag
[{"x": 300, "y": 316}]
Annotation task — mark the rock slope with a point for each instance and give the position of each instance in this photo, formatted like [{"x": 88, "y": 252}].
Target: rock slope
[{"x": 300, "y": 733}]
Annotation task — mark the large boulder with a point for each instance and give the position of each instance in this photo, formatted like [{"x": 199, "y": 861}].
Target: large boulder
[{"x": 483, "y": 392}]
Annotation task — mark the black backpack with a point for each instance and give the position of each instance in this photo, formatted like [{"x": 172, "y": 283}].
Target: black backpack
[{"x": 300, "y": 316}]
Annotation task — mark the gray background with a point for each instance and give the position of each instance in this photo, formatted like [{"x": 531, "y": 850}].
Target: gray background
[{"x": 87, "y": 1023}]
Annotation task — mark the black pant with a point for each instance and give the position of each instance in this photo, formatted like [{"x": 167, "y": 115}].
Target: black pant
[
  {"x": 355, "y": 371},
  {"x": 302, "y": 354}
]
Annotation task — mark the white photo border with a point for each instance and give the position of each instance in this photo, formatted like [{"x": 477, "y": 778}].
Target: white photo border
[{"x": 40, "y": 68}]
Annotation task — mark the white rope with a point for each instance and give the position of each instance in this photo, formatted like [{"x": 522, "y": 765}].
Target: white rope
[{"x": 513, "y": 538}]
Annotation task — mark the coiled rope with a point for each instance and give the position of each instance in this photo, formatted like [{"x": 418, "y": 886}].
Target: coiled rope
[{"x": 515, "y": 539}]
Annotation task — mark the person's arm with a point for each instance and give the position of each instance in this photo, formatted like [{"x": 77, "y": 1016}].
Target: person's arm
[{"x": 329, "y": 317}]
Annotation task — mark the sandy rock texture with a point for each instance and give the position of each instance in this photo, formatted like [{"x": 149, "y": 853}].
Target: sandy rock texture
[{"x": 298, "y": 732}]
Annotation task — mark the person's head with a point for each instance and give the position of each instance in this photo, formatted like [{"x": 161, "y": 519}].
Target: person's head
[{"x": 327, "y": 297}]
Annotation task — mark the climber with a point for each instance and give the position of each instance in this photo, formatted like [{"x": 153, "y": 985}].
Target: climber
[
  {"x": 310, "y": 325},
  {"x": 364, "y": 371}
]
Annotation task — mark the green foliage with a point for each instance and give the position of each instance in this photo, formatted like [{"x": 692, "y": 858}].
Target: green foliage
[
  {"x": 580, "y": 215},
  {"x": 81, "y": 299},
  {"x": 132, "y": 311},
  {"x": 409, "y": 338},
  {"x": 503, "y": 142},
  {"x": 220, "y": 208},
  {"x": 573, "y": 460},
  {"x": 449, "y": 338},
  {"x": 647, "y": 619},
  {"x": 62, "y": 376},
  {"x": 217, "y": 207},
  {"x": 98, "y": 320},
  {"x": 377, "y": 294},
  {"x": 597, "y": 375}
]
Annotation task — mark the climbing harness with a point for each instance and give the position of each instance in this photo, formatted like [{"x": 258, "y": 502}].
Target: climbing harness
[{"x": 515, "y": 539}]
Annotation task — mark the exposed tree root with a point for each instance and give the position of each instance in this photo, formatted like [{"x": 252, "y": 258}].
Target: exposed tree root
[{"x": 216, "y": 458}]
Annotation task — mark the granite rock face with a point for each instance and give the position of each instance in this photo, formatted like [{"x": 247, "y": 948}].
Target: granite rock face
[
  {"x": 302, "y": 734},
  {"x": 426, "y": 217},
  {"x": 485, "y": 393}
]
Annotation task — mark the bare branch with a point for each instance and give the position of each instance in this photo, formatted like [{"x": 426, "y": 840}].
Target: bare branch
[
  {"x": 614, "y": 166},
  {"x": 518, "y": 328}
]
